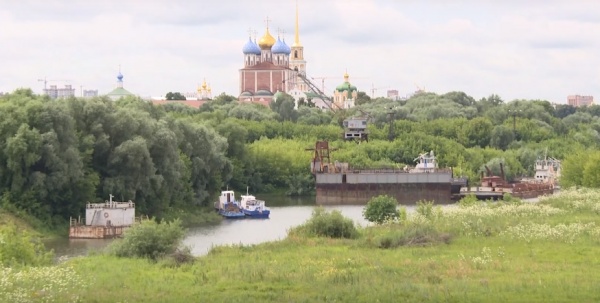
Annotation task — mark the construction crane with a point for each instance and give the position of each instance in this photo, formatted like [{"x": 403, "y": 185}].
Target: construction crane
[
  {"x": 374, "y": 89},
  {"x": 323, "y": 81},
  {"x": 332, "y": 105},
  {"x": 46, "y": 82},
  {"x": 419, "y": 89},
  {"x": 331, "y": 77}
]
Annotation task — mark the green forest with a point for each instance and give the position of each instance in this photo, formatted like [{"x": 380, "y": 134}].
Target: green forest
[{"x": 58, "y": 155}]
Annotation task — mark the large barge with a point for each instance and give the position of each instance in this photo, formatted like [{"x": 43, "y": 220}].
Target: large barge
[{"x": 337, "y": 183}]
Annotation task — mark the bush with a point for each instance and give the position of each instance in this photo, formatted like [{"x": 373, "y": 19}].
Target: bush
[
  {"x": 381, "y": 209},
  {"x": 328, "y": 224},
  {"x": 412, "y": 235},
  {"x": 508, "y": 198},
  {"x": 149, "y": 239},
  {"x": 425, "y": 208},
  {"x": 182, "y": 255},
  {"x": 21, "y": 249},
  {"x": 468, "y": 201}
]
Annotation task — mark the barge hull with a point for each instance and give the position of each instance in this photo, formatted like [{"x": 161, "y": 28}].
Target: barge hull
[
  {"x": 404, "y": 193},
  {"x": 96, "y": 232}
]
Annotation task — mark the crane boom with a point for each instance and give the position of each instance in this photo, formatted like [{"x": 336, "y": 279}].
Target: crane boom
[{"x": 332, "y": 105}]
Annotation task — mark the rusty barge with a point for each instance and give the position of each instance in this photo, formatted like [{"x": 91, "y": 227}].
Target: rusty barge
[
  {"x": 104, "y": 220},
  {"x": 547, "y": 172},
  {"x": 338, "y": 184}
]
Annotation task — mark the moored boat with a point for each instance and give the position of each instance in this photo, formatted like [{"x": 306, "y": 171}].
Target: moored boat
[
  {"x": 495, "y": 187},
  {"x": 254, "y": 208},
  {"x": 228, "y": 207}
]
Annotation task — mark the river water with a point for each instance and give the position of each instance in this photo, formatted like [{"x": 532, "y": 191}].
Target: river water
[{"x": 286, "y": 212}]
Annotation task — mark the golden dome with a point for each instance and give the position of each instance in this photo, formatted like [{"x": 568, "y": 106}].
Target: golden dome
[{"x": 267, "y": 41}]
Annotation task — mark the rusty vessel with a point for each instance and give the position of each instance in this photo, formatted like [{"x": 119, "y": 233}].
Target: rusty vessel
[
  {"x": 337, "y": 183},
  {"x": 547, "y": 172}
]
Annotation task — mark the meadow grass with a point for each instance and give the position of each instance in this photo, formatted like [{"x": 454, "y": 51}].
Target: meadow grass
[{"x": 488, "y": 252}]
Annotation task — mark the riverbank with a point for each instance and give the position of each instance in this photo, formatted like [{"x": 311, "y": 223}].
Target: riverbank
[{"x": 492, "y": 252}]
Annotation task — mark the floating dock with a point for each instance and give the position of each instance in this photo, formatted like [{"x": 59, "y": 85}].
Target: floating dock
[{"x": 104, "y": 220}]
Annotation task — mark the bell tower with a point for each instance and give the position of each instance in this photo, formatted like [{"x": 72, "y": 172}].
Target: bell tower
[{"x": 297, "y": 61}]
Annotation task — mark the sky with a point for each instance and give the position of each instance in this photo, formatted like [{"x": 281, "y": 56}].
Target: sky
[{"x": 534, "y": 49}]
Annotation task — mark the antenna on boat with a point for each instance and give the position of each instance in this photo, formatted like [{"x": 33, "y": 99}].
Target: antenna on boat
[{"x": 247, "y": 190}]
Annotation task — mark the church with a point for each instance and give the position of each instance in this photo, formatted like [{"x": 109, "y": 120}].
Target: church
[{"x": 271, "y": 66}]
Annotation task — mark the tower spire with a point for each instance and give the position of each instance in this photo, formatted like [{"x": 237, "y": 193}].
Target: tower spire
[{"x": 297, "y": 30}]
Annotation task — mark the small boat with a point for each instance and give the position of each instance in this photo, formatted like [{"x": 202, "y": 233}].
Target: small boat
[
  {"x": 254, "y": 208},
  {"x": 228, "y": 207}
]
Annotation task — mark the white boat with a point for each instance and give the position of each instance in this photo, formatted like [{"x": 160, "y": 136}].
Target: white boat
[{"x": 254, "y": 208}]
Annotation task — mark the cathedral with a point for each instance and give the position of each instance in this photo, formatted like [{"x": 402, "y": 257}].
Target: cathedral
[{"x": 271, "y": 66}]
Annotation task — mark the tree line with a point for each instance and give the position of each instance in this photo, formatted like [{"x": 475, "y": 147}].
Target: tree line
[{"x": 57, "y": 155}]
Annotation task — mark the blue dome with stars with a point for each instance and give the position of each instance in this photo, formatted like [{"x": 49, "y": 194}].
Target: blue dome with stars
[
  {"x": 251, "y": 48},
  {"x": 280, "y": 48},
  {"x": 120, "y": 77}
]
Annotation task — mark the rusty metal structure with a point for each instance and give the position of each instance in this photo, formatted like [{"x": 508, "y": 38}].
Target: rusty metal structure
[
  {"x": 104, "y": 220},
  {"x": 336, "y": 183},
  {"x": 495, "y": 187}
]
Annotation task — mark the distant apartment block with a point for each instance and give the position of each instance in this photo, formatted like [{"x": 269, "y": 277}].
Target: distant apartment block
[
  {"x": 56, "y": 93},
  {"x": 90, "y": 93},
  {"x": 392, "y": 94},
  {"x": 577, "y": 100}
]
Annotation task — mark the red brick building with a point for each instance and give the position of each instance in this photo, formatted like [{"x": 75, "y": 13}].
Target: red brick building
[{"x": 266, "y": 69}]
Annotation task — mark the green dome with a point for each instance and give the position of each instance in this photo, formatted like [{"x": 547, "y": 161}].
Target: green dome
[
  {"x": 346, "y": 86},
  {"x": 263, "y": 92}
]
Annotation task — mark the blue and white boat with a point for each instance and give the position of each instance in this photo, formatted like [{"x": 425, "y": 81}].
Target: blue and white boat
[
  {"x": 228, "y": 207},
  {"x": 254, "y": 208}
]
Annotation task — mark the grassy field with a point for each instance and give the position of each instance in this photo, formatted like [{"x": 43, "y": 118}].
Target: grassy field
[{"x": 488, "y": 252}]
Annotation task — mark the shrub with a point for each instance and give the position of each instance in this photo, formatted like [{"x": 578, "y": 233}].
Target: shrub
[
  {"x": 425, "y": 209},
  {"x": 182, "y": 255},
  {"x": 468, "y": 201},
  {"x": 508, "y": 198},
  {"x": 149, "y": 239},
  {"x": 21, "y": 249},
  {"x": 328, "y": 224},
  {"x": 381, "y": 209},
  {"x": 412, "y": 235}
]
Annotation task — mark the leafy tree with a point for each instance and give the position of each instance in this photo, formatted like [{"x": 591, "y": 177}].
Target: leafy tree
[
  {"x": 149, "y": 239},
  {"x": 501, "y": 137},
  {"x": 174, "y": 96},
  {"x": 564, "y": 110},
  {"x": 224, "y": 98},
  {"x": 21, "y": 249},
  {"x": 381, "y": 209},
  {"x": 362, "y": 98},
  {"x": 284, "y": 106},
  {"x": 460, "y": 98},
  {"x": 305, "y": 103}
]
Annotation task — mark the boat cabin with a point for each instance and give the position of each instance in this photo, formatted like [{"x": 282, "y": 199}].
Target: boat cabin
[
  {"x": 426, "y": 163},
  {"x": 227, "y": 196}
]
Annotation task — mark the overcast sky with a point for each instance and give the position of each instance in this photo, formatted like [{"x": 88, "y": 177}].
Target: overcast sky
[{"x": 531, "y": 49}]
